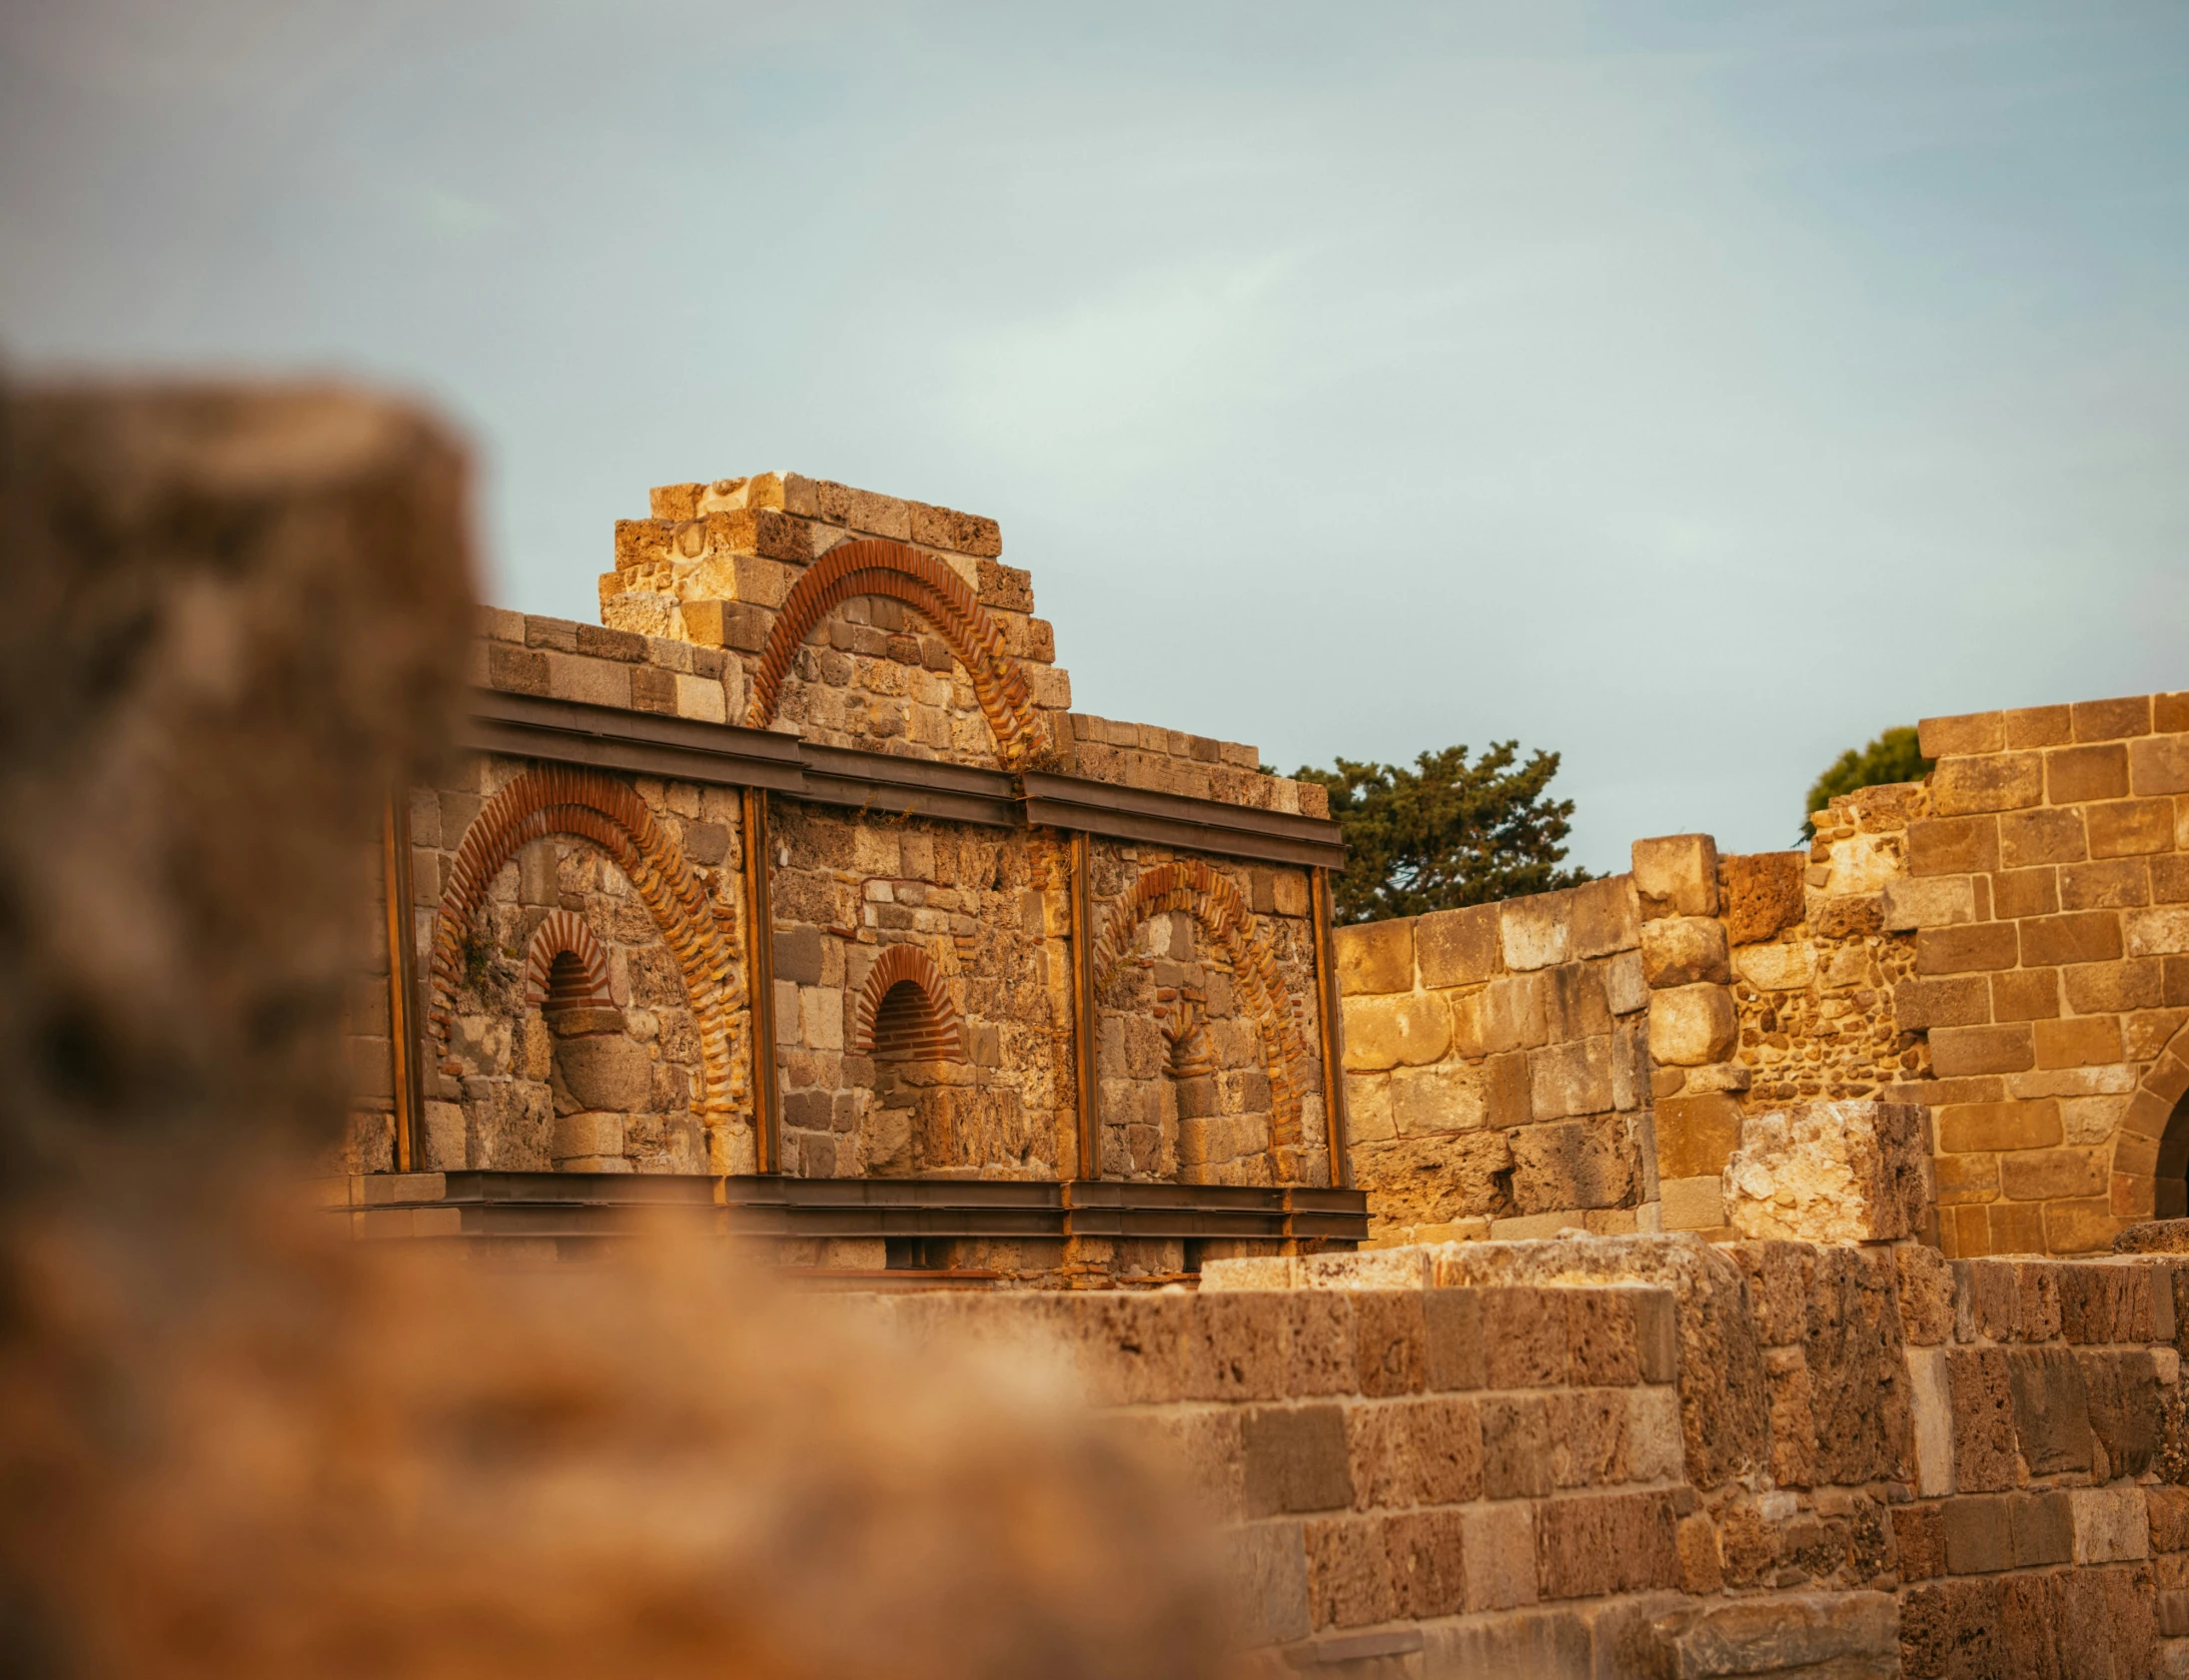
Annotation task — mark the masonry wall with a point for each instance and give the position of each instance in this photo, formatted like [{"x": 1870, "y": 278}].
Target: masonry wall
[
  {"x": 920, "y": 642},
  {"x": 2006, "y": 945},
  {"x": 1496, "y": 1077},
  {"x": 1642, "y": 1456}
]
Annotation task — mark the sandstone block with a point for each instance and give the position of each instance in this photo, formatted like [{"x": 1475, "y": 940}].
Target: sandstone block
[
  {"x": 2006, "y": 781},
  {"x": 2040, "y": 726},
  {"x": 1624, "y": 991},
  {"x": 1962, "y": 950},
  {"x": 1409, "y": 1029},
  {"x": 1929, "y": 901},
  {"x": 1693, "y": 1025},
  {"x": 1570, "y": 1078},
  {"x": 1535, "y": 933},
  {"x": 1445, "y": 1098},
  {"x": 1982, "y": 1413},
  {"x": 1961, "y": 1052},
  {"x": 1565, "y": 1165},
  {"x": 2075, "y": 775},
  {"x": 1979, "y": 1534},
  {"x": 1831, "y": 1635},
  {"x": 1435, "y": 1180},
  {"x": 2159, "y": 765},
  {"x": 1761, "y": 894},
  {"x": 1457, "y": 947},
  {"x": 2130, "y": 827},
  {"x": 1267, "y": 1574},
  {"x": 1507, "y": 1014},
  {"x": 2031, "y": 839},
  {"x": 1696, "y": 1136},
  {"x": 1971, "y": 732},
  {"x": 1373, "y": 957},
  {"x": 1603, "y": 917},
  {"x": 1675, "y": 875},
  {"x": 1925, "y": 1294},
  {"x": 1296, "y": 1459},
  {"x": 1606, "y": 1543},
  {"x": 1683, "y": 949},
  {"x": 1454, "y": 1353},
  {"x": 1696, "y": 1203},
  {"x": 1499, "y": 1558},
  {"x": 1953, "y": 846}
]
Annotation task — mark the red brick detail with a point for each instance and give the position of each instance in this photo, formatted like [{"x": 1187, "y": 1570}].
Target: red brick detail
[
  {"x": 2164, "y": 1090},
  {"x": 1214, "y": 902},
  {"x": 558, "y": 799},
  {"x": 564, "y": 932},
  {"x": 875, "y": 567},
  {"x": 904, "y": 1011}
]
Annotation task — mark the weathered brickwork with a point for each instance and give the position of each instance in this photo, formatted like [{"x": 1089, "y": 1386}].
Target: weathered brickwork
[
  {"x": 983, "y": 910},
  {"x": 1202, "y": 1050},
  {"x": 584, "y": 944},
  {"x": 653, "y": 1083}
]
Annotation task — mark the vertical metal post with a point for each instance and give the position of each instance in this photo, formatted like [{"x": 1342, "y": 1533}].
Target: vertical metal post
[
  {"x": 760, "y": 985},
  {"x": 1083, "y": 1013},
  {"x": 1333, "y": 1036},
  {"x": 407, "y": 1081}
]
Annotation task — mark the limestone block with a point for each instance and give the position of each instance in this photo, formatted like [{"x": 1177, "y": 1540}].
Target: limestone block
[
  {"x": 1413, "y": 1028},
  {"x": 1573, "y": 1163},
  {"x": 1776, "y": 967},
  {"x": 581, "y": 1135},
  {"x": 1442, "y": 1099},
  {"x": 1373, "y": 957},
  {"x": 1458, "y": 947},
  {"x": 1534, "y": 932},
  {"x": 1930, "y": 1409},
  {"x": 1680, "y": 950},
  {"x": 1624, "y": 991},
  {"x": 1570, "y": 1078},
  {"x": 1692, "y": 1025},
  {"x": 1605, "y": 917},
  {"x": 1677, "y": 875},
  {"x": 1848, "y": 1635},
  {"x": 1692, "y": 1203},
  {"x": 1849, "y": 1171},
  {"x": 1929, "y": 901},
  {"x": 2111, "y": 1524},
  {"x": 607, "y": 1071}
]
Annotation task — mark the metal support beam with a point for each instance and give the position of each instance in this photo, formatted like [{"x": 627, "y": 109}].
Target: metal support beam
[
  {"x": 760, "y": 985},
  {"x": 1333, "y": 1035},
  {"x": 407, "y": 1083}
]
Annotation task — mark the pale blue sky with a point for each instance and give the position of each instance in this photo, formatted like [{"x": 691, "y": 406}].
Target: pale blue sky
[{"x": 1695, "y": 390}]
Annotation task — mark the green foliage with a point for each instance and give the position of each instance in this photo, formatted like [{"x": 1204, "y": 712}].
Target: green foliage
[
  {"x": 1894, "y": 756},
  {"x": 1445, "y": 833}
]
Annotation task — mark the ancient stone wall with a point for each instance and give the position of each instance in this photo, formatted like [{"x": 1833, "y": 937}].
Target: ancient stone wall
[
  {"x": 1645, "y": 1456},
  {"x": 1497, "y": 1080},
  {"x": 580, "y": 934},
  {"x": 2006, "y": 945}
]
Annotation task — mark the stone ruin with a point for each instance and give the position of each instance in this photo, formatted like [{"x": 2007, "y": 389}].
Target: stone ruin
[{"x": 1741, "y": 1265}]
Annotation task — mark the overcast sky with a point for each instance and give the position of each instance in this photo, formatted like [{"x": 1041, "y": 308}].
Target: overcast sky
[{"x": 1693, "y": 390}]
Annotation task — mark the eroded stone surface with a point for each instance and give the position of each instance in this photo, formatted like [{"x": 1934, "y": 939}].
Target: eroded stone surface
[{"x": 1830, "y": 1172}]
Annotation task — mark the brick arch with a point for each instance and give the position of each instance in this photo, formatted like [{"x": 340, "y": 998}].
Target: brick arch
[
  {"x": 875, "y": 567},
  {"x": 2151, "y": 1151},
  {"x": 1212, "y": 901},
  {"x": 556, "y": 799},
  {"x": 562, "y": 931},
  {"x": 938, "y": 1034}
]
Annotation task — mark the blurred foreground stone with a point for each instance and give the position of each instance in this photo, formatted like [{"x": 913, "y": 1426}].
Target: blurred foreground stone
[{"x": 233, "y": 619}]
